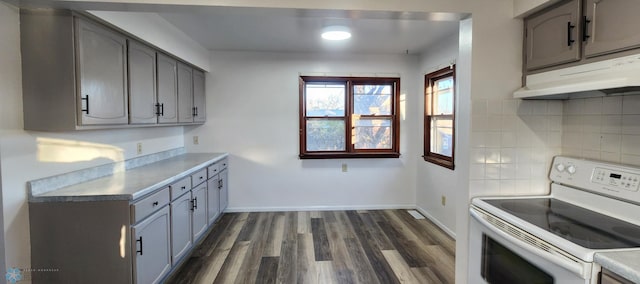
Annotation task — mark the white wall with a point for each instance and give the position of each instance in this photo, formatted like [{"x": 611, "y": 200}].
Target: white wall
[
  {"x": 434, "y": 181},
  {"x": 27, "y": 155},
  {"x": 159, "y": 32},
  {"x": 252, "y": 113}
]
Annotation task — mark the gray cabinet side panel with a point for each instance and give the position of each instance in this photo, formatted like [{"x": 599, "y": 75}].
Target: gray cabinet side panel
[
  {"x": 48, "y": 79},
  {"x": 83, "y": 242}
]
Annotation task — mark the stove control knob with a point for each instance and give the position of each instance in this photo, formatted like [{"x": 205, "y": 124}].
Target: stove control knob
[
  {"x": 571, "y": 169},
  {"x": 560, "y": 167}
]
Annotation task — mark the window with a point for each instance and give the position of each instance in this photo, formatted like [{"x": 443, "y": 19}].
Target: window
[
  {"x": 349, "y": 117},
  {"x": 439, "y": 117}
]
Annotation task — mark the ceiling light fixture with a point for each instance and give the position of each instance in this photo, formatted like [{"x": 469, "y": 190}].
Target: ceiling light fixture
[{"x": 336, "y": 33}]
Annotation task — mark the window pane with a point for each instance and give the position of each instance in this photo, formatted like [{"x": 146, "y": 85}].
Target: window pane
[
  {"x": 443, "y": 96},
  {"x": 325, "y": 135},
  {"x": 441, "y": 136},
  {"x": 372, "y": 99},
  {"x": 325, "y": 99},
  {"x": 372, "y": 133}
]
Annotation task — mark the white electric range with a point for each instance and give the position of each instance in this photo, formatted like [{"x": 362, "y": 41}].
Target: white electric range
[{"x": 593, "y": 207}]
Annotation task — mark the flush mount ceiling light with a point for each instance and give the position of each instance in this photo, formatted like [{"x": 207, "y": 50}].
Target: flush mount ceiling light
[{"x": 336, "y": 33}]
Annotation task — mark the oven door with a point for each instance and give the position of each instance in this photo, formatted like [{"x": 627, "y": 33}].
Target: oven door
[{"x": 513, "y": 256}]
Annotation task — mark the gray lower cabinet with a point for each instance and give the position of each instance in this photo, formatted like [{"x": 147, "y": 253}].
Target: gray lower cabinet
[
  {"x": 551, "y": 37},
  {"x": 185, "y": 93},
  {"x": 213, "y": 199},
  {"x": 224, "y": 189},
  {"x": 612, "y": 27},
  {"x": 167, "y": 89},
  {"x": 181, "y": 227},
  {"x": 199, "y": 214},
  {"x": 124, "y": 241},
  {"x": 152, "y": 247},
  {"x": 609, "y": 277},
  {"x": 143, "y": 104}
]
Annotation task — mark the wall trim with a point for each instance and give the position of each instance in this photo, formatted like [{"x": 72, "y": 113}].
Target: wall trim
[
  {"x": 452, "y": 234},
  {"x": 317, "y": 208}
]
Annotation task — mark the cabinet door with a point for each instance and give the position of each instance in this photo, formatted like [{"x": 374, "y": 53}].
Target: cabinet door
[
  {"x": 613, "y": 26},
  {"x": 185, "y": 93},
  {"x": 213, "y": 199},
  {"x": 551, "y": 38},
  {"x": 199, "y": 100},
  {"x": 101, "y": 74},
  {"x": 142, "y": 84},
  {"x": 224, "y": 190},
  {"x": 151, "y": 248},
  {"x": 180, "y": 227},
  {"x": 167, "y": 89},
  {"x": 199, "y": 211}
]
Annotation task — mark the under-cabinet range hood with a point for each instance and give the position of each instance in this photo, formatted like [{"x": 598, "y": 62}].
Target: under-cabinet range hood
[{"x": 618, "y": 76}]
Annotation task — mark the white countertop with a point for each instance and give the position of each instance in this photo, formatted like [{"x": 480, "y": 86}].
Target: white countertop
[
  {"x": 135, "y": 183},
  {"x": 623, "y": 263}
]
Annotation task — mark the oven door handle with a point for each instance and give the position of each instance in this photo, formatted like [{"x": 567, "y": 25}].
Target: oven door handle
[{"x": 558, "y": 259}]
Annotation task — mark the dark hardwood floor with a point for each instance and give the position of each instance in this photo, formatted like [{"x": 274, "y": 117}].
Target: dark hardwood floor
[{"x": 387, "y": 246}]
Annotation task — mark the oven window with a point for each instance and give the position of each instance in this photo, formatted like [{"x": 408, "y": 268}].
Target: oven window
[{"x": 501, "y": 265}]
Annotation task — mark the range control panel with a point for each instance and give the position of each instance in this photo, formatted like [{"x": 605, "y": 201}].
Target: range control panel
[{"x": 620, "y": 181}]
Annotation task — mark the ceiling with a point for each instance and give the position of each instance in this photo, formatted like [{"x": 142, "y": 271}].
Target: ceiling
[{"x": 295, "y": 30}]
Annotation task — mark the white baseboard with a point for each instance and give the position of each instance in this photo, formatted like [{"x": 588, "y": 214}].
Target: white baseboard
[
  {"x": 452, "y": 234},
  {"x": 317, "y": 208}
]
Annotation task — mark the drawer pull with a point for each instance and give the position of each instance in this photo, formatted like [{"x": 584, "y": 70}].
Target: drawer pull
[
  {"x": 183, "y": 188},
  {"x": 140, "y": 241},
  {"x": 201, "y": 177},
  {"x": 155, "y": 204}
]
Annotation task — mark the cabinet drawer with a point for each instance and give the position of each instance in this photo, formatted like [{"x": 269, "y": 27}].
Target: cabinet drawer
[
  {"x": 180, "y": 187},
  {"x": 198, "y": 177},
  {"x": 148, "y": 205},
  {"x": 223, "y": 164},
  {"x": 213, "y": 170}
]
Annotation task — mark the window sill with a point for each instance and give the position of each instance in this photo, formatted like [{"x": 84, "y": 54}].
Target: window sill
[
  {"x": 440, "y": 162},
  {"x": 348, "y": 155}
]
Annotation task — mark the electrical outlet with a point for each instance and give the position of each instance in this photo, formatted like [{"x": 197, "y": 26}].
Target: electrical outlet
[
  {"x": 139, "y": 148},
  {"x": 195, "y": 140},
  {"x": 444, "y": 200},
  {"x": 344, "y": 167}
]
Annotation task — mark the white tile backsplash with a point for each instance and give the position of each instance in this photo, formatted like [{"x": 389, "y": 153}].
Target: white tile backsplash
[
  {"x": 518, "y": 136},
  {"x": 630, "y": 124},
  {"x": 592, "y": 106},
  {"x": 606, "y": 128},
  {"x": 631, "y": 105},
  {"x": 612, "y": 105}
]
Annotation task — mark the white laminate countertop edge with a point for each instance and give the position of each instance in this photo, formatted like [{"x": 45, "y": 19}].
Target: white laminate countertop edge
[
  {"x": 623, "y": 263},
  {"x": 133, "y": 184}
]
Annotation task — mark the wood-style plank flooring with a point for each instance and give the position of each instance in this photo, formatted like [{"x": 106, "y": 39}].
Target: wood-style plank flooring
[{"x": 387, "y": 246}]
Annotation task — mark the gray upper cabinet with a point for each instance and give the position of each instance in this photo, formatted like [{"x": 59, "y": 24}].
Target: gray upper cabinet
[
  {"x": 613, "y": 26},
  {"x": 143, "y": 108},
  {"x": 551, "y": 36},
  {"x": 185, "y": 93},
  {"x": 102, "y": 73},
  {"x": 167, "y": 89},
  {"x": 78, "y": 73},
  {"x": 199, "y": 102}
]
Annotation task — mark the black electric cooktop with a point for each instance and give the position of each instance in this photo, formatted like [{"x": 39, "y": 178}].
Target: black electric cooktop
[{"x": 581, "y": 226}]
